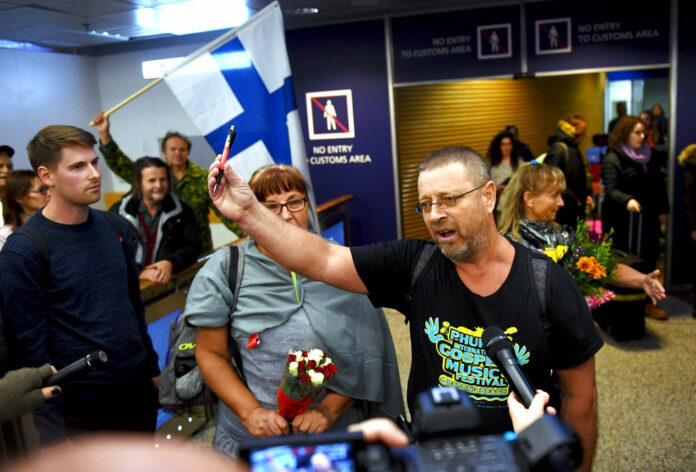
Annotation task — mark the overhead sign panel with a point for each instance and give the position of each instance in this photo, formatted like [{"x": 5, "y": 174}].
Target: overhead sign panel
[
  {"x": 601, "y": 34},
  {"x": 456, "y": 45}
]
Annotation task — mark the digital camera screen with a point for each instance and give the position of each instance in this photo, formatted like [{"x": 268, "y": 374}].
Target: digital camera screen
[{"x": 338, "y": 457}]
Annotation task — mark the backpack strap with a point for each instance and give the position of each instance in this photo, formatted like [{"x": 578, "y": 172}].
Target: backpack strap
[
  {"x": 235, "y": 270},
  {"x": 425, "y": 258},
  {"x": 35, "y": 237},
  {"x": 113, "y": 221},
  {"x": 539, "y": 272}
]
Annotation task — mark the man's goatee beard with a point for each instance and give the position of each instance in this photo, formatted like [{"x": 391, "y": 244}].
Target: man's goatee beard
[{"x": 467, "y": 252}]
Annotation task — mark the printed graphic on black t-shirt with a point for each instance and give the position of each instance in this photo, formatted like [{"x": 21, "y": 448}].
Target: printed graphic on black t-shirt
[{"x": 465, "y": 364}]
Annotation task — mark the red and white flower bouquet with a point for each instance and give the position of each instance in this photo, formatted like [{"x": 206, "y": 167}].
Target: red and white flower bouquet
[{"x": 307, "y": 373}]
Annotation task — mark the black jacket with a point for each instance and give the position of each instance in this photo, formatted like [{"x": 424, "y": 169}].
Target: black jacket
[
  {"x": 178, "y": 234},
  {"x": 623, "y": 180},
  {"x": 564, "y": 154}
]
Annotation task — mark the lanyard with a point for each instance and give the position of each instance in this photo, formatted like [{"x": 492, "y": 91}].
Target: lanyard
[{"x": 294, "y": 284}]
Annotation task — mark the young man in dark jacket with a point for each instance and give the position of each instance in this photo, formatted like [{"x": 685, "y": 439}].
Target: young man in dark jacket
[
  {"x": 163, "y": 228},
  {"x": 84, "y": 297}
]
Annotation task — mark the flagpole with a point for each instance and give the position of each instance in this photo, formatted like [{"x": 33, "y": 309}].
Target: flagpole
[{"x": 194, "y": 55}]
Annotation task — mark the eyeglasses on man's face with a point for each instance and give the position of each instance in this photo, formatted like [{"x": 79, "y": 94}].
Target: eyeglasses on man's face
[
  {"x": 296, "y": 204},
  {"x": 445, "y": 202},
  {"x": 43, "y": 190}
]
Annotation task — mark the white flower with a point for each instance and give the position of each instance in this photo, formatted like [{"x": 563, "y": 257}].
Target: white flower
[
  {"x": 316, "y": 377},
  {"x": 292, "y": 367},
  {"x": 327, "y": 361},
  {"x": 315, "y": 355}
]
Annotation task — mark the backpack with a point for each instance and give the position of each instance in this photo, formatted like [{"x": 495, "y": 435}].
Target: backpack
[
  {"x": 542, "y": 157},
  {"x": 537, "y": 263},
  {"x": 181, "y": 382}
]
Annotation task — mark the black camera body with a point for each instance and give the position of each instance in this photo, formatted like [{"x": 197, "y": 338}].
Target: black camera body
[{"x": 444, "y": 428}]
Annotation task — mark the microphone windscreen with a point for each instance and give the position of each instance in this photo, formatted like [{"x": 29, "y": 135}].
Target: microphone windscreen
[{"x": 494, "y": 340}]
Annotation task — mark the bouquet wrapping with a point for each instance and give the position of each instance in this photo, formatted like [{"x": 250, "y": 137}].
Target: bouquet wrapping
[
  {"x": 307, "y": 373},
  {"x": 589, "y": 262}
]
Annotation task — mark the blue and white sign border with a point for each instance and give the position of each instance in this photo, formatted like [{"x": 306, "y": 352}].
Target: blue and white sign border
[
  {"x": 348, "y": 93},
  {"x": 481, "y": 56},
  {"x": 565, "y": 50}
]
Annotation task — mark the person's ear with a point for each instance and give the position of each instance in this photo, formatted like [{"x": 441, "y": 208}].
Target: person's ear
[
  {"x": 528, "y": 198},
  {"x": 488, "y": 194},
  {"x": 45, "y": 175}
]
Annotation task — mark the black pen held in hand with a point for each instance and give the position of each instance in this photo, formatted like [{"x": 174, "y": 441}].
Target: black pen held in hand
[{"x": 225, "y": 152}]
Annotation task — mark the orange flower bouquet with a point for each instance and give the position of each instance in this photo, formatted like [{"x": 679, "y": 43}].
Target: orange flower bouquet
[{"x": 589, "y": 262}]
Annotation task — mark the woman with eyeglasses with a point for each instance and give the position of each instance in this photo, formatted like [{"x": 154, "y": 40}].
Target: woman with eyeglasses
[
  {"x": 23, "y": 195},
  {"x": 528, "y": 213},
  {"x": 278, "y": 310}
]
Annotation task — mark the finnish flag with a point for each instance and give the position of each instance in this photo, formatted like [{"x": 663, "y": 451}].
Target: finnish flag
[{"x": 243, "y": 79}]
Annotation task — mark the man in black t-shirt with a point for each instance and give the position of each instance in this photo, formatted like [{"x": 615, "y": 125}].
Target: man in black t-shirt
[{"x": 478, "y": 279}]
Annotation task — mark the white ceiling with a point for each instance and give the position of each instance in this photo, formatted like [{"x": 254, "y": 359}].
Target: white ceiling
[{"x": 64, "y": 24}]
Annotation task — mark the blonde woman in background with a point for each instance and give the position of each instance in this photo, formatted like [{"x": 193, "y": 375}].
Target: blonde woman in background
[{"x": 528, "y": 212}]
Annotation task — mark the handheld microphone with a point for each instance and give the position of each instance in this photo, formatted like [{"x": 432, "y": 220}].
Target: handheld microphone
[
  {"x": 502, "y": 353},
  {"x": 91, "y": 361}
]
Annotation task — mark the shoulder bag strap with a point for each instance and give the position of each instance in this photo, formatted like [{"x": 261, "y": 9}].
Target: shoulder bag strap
[{"x": 235, "y": 270}]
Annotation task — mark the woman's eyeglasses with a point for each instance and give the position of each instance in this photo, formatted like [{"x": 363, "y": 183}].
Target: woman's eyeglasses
[
  {"x": 43, "y": 190},
  {"x": 297, "y": 204}
]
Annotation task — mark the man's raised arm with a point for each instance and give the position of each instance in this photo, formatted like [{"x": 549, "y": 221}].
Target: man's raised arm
[{"x": 292, "y": 247}]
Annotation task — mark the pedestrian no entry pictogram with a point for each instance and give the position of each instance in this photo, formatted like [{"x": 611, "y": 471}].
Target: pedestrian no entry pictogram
[
  {"x": 330, "y": 114},
  {"x": 553, "y": 36},
  {"x": 494, "y": 41}
]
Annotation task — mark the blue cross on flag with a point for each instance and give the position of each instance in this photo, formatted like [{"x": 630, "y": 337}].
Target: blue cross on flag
[{"x": 243, "y": 79}]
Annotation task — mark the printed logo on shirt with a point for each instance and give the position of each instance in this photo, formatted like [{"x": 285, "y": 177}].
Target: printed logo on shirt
[{"x": 466, "y": 365}]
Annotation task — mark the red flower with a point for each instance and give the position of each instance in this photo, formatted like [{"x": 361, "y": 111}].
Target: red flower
[
  {"x": 329, "y": 370},
  {"x": 304, "y": 354},
  {"x": 302, "y": 366},
  {"x": 305, "y": 379},
  {"x": 312, "y": 364},
  {"x": 291, "y": 358}
]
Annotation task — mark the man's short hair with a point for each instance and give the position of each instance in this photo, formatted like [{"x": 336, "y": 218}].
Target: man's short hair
[
  {"x": 5, "y": 149},
  {"x": 144, "y": 163},
  {"x": 174, "y": 134},
  {"x": 473, "y": 163},
  {"x": 46, "y": 147}
]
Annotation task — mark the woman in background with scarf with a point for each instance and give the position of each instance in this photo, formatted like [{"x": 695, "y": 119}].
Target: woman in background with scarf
[{"x": 636, "y": 195}]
